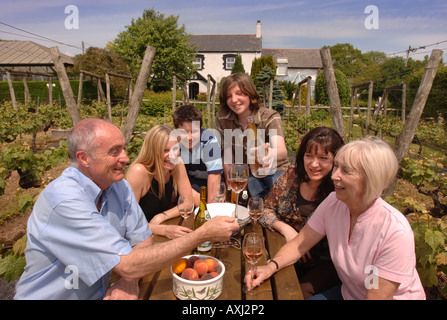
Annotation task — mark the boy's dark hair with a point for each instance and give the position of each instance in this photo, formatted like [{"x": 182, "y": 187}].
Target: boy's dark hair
[{"x": 186, "y": 113}]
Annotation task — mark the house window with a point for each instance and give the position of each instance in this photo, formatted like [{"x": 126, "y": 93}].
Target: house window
[
  {"x": 229, "y": 61},
  {"x": 282, "y": 66},
  {"x": 198, "y": 62}
]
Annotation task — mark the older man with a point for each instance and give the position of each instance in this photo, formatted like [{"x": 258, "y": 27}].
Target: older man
[{"x": 86, "y": 224}]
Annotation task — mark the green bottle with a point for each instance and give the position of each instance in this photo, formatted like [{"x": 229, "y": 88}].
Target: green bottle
[{"x": 201, "y": 218}]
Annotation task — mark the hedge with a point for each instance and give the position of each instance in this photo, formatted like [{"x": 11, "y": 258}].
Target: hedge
[{"x": 40, "y": 89}]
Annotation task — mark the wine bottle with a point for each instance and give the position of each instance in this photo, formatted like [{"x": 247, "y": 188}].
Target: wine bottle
[
  {"x": 201, "y": 218},
  {"x": 252, "y": 141}
]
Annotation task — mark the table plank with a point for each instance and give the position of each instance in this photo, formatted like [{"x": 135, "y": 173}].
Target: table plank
[
  {"x": 232, "y": 285},
  {"x": 286, "y": 283}
]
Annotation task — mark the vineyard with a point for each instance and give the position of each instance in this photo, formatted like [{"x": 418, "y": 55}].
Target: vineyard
[{"x": 30, "y": 158}]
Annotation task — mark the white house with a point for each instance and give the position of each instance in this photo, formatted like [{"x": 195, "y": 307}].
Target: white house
[
  {"x": 295, "y": 64},
  {"x": 216, "y": 55}
]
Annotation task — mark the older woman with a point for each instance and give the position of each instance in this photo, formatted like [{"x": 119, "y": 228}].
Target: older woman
[
  {"x": 156, "y": 176},
  {"x": 371, "y": 243}
]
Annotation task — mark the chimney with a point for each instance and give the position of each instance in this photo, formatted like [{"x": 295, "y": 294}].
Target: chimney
[{"x": 258, "y": 29}]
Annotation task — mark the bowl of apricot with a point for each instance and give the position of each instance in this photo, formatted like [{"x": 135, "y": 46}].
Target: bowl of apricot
[{"x": 197, "y": 277}]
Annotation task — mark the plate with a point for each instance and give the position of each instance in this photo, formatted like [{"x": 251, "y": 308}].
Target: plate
[{"x": 226, "y": 209}]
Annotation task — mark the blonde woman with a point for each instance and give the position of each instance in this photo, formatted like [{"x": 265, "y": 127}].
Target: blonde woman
[{"x": 157, "y": 176}]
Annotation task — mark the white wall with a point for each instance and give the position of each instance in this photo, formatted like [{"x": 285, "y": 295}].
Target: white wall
[{"x": 213, "y": 65}]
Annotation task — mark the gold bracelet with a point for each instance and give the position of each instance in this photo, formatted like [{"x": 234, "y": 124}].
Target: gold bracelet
[{"x": 166, "y": 215}]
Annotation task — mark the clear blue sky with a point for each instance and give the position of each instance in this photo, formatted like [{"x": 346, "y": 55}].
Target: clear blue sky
[{"x": 285, "y": 23}]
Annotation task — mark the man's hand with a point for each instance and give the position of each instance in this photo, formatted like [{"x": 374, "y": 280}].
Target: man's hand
[
  {"x": 219, "y": 229},
  {"x": 123, "y": 290}
]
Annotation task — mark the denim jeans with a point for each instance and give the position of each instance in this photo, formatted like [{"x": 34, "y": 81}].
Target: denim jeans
[
  {"x": 259, "y": 187},
  {"x": 331, "y": 294}
]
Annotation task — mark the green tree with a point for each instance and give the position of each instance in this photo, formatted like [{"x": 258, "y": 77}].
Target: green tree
[
  {"x": 278, "y": 95},
  {"x": 238, "y": 65},
  {"x": 174, "y": 53},
  {"x": 258, "y": 64},
  {"x": 436, "y": 103},
  {"x": 343, "y": 86},
  {"x": 347, "y": 59},
  {"x": 100, "y": 61}
]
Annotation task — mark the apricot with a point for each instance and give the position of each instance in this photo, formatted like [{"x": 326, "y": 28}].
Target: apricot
[
  {"x": 201, "y": 266},
  {"x": 214, "y": 274},
  {"x": 207, "y": 276},
  {"x": 190, "y": 274},
  {"x": 212, "y": 264},
  {"x": 180, "y": 265}
]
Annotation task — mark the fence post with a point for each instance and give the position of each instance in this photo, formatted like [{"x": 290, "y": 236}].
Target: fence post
[
  {"x": 11, "y": 91},
  {"x": 404, "y": 100},
  {"x": 174, "y": 91},
  {"x": 109, "y": 103},
  {"x": 403, "y": 141},
  {"x": 137, "y": 96},
  {"x": 72, "y": 107},
  {"x": 334, "y": 98}
]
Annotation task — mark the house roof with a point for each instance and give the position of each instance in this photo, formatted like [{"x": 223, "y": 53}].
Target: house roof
[
  {"x": 226, "y": 43},
  {"x": 297, "y": 58},
  {"x": 28, "y": 57}
]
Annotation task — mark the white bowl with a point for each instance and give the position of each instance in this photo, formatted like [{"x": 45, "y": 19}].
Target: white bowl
[
  {"x": 226, "y": 209},
  {"x": 197, "y": 289}
]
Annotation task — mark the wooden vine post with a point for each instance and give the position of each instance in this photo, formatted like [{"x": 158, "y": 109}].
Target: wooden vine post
[
  {"x": 11, "y": 91},
  {"x": 403, "y": 141},
  {"x": 73, "y": 110},
  {"x": 334, "y": 98},
  {"x": 137, "y": 96}
]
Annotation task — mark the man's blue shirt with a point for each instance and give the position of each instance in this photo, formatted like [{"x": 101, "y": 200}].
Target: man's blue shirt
[{"x": 72, "y": 247}]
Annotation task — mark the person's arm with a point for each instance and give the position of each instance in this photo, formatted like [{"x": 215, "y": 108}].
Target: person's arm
[
  {"x": 213, "y": 183},
  {"x": 146, "y": 258},
  {"x": 137, "y": 177},
  {"x": 385, "y": 290},
  {"x": 290, "y": 253}
]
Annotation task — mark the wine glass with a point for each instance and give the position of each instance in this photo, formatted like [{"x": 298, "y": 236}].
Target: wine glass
[
  {"x": 238, "y": 180},
  {"x": 185, "y": 206},
  {"x": 255, "y": 208},
  {"x": 253, "y": 249},
  {"x": 219, "y": 191}
]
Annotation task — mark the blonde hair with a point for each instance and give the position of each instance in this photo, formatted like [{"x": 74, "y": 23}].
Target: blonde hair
[
  {"x": 151, "y": 156},
  {"x": 375, "y": 159}
]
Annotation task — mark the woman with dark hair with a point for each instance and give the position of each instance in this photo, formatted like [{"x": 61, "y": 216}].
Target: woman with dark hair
[{"x": 294, "y": 197}]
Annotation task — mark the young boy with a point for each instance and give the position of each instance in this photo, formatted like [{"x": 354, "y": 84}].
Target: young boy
[{"x": 199, "y": 150}]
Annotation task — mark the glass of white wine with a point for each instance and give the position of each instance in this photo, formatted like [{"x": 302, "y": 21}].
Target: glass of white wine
[{"x": 185, "y": 206}]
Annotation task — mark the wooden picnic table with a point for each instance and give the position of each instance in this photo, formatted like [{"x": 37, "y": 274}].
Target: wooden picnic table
[{"x": 283, "y": 285}]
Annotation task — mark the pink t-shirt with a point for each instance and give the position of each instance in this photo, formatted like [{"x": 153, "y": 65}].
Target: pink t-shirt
[{"x": 381, "y": 244}]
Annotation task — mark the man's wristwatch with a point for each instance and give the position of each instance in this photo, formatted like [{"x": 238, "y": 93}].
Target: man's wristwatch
[{"x": 276, "y": 263}]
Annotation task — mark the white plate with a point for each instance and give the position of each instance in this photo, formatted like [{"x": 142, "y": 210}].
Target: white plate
[{"x": 226, "y": 209}]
